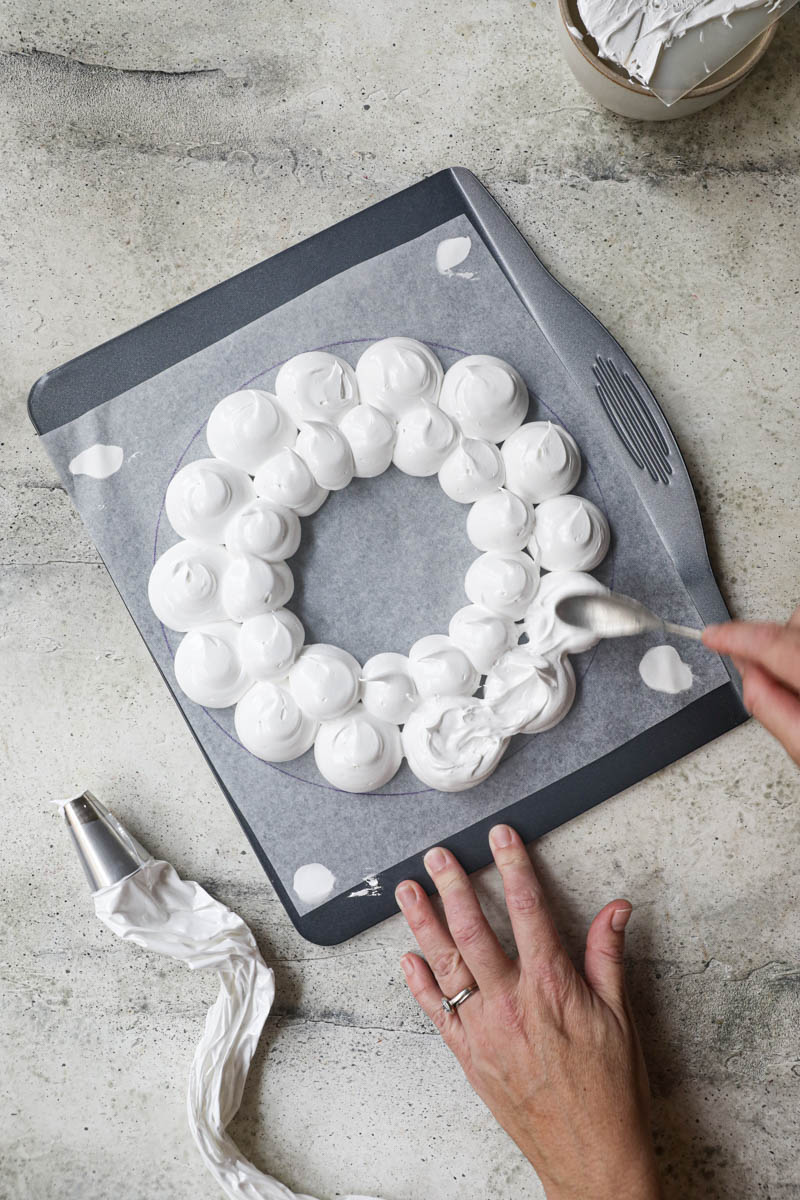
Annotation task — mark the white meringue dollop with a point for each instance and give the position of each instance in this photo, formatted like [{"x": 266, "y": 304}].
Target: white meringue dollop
[
  {"x": 396, "y": 373},
  {"x": 482, "y": 635},
  {"x": 327, "y": 454},
  {"x": 425, "y": 437},
  {"x": 387, "y": 689},
  {"x": 270, "y": 724},
  {"x": 503, "y": 583},
  {"x": 184, "y": 585},
  {"x": 203, "y": 497},
  {"x": 269, "y": 530},
  {"x": 286, "y": 479},
  {"x": 546, "y": 632},
  {"x": 485, "y": 396},
  {"x": 251, "y": 586},
  {"x": 270, "y": 642},
  {"x": 325, "y": 681},
  {"x": 569, "y": 534},
  {"x": 500, "y": 521},
  {"x": 316, "y": 386},
  {"x": 208, "y": 668},
  {"x": 541, "y": 461},
  {"x": 452, "y": 742},
  {"x": 440, "y": 668},
  {"x": 370, "y": 435},
  {"x": 529, "y": 692},
  {"x": 473, "y": 469},
  {"x": 313, "y": 883},
  {"x": 248, "y": 427},
  {"x": 358, "y": 752}
]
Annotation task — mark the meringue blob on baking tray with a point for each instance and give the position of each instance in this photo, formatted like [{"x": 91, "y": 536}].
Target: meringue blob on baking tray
[{"x": 451, "y": 703}]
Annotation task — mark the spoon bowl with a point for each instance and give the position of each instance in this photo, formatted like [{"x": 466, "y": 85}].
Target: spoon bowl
[{"x": 617, "y": 616}]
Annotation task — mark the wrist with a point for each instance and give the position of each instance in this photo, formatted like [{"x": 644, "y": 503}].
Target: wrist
[{"x": 639, "y": 1183}]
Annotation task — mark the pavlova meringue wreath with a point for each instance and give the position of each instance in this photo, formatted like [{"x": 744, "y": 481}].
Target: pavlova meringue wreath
[{"x": 451, "y": 705}]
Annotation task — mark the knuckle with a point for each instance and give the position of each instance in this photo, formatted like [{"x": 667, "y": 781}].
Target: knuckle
[
  {"x": 440, "y": 1019},
  {"x": 523, "y": 900},
  {"x": 423, "y": 923},
  {"x": 508, "y": 1012},
  {"x": 467, "y": 931},
  {"x": 554, "y": 980},
  {"x": 445, "y": 963},
  {"x": 450, "y": 884},
  {"x": 613, "y": 953}
]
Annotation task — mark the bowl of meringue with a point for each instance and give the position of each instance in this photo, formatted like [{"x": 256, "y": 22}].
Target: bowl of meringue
[
  {"x": 449, "y": 704},
  {"x": 611, "y": 84}
]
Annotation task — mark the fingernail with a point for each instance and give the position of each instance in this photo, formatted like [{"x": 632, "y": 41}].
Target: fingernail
[
  {"x": 620, "y": 918},
  {"x": 407, "y": 963},
  {"x": 501, "y": 836},
  {"x": 435, "y": 860},
  {"x": 405, "y": 894}
]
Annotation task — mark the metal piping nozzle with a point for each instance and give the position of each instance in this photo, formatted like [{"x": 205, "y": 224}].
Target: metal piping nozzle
[{"x": 107, "y": 851}]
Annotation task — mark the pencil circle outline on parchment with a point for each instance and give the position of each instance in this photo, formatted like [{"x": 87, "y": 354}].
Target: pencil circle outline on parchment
[{"x": 332, "y": 346}]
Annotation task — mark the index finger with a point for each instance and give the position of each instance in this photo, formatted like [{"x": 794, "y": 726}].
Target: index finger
[{"x": 774, "y": 647}]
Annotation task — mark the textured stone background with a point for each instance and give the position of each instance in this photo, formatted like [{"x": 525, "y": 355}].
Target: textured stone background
[{"x": 150, "y": 150}]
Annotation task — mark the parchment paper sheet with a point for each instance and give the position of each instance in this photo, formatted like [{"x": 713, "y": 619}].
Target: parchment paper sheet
[{"x": 383, "y": 562}]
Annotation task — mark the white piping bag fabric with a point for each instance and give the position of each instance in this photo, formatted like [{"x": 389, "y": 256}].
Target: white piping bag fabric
[{"x": 156, "y": 909}]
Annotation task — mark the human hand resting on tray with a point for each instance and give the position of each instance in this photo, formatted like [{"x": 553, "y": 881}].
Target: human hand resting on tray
[
  {"x": 553, "y": 1054},
  {"x": 767, "y": 656}
]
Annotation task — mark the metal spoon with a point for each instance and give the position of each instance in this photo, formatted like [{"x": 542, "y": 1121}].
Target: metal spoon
[{"x": 616, "y": 616}]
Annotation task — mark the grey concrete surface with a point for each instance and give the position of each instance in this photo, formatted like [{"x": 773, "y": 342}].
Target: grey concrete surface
[{"x": 150, "y": 150}]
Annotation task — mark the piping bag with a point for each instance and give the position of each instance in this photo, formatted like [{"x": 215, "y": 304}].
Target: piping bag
[{"x": 143, "y": 900}]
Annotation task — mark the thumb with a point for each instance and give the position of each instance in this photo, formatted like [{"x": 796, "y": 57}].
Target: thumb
[{"x": 605, "y": 945}]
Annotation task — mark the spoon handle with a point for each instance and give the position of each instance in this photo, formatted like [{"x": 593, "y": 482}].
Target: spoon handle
[{"x": 683, "y": 631}]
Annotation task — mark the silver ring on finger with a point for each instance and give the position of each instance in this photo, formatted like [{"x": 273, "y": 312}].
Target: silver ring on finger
[{"x": 452, "y": 1004}]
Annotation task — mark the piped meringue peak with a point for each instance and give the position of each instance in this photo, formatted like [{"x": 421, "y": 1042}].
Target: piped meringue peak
[
  {"x": 485, "y": 396},
  {"x": 276, "y": 458},
  {"x": 248, "y": 427},
  {"x": 316, "y": 386},
  {"x": 397, "y": 373}
]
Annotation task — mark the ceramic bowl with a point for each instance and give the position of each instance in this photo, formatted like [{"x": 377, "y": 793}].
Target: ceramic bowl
[{"x": 613, "y": 88}]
